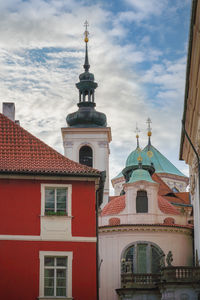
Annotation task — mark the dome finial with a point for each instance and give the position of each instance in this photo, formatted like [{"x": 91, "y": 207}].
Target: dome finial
[
  {"x": 137, "y": 135},
  {"x": 149, "y": 133},
  {"x": 86, "y": 33}
]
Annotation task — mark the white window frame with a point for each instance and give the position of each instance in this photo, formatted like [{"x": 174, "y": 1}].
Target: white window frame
[
  {"x": 69, "y": 256},
  {"x": 69, "y": 196}
]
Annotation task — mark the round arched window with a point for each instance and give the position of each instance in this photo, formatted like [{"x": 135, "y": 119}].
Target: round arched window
[
  {"x": 86, "y": 156},
  {"x": 142, "y": 257}
]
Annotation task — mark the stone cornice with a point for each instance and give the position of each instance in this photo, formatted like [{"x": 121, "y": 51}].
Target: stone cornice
[{"x": 147, "y": 228}]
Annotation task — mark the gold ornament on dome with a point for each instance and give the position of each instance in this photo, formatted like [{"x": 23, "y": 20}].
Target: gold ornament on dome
[{"x": 149, "y": 154}]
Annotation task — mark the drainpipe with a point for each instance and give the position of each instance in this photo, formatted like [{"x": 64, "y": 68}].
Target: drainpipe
[{"x": 197, "y": 156}]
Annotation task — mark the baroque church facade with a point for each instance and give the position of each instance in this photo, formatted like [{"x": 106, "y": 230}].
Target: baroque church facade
[{"x": 146, "y": 229}]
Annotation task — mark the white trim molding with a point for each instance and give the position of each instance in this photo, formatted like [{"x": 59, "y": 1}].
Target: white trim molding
[
  {"x": 54, "y": 185},
  {"x": 69, "y": 256},
  {"x": 56, "y": 227},
  {"x": 6, "y": 237}
]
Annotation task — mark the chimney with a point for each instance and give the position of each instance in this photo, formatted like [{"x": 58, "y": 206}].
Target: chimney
[{"x": 9, "y": 110}]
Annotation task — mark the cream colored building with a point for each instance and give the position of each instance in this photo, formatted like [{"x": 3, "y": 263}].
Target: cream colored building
[
  {"x": 142, "y": 224},
  {"x": 190, "y": 137}
]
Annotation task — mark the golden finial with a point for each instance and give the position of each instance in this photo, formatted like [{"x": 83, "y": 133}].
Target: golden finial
[
  {"x": 149, "y": 127},
  {"x": 137, "y": 135},
  {"x": 86, "y": 33},
  {"x": 149, "y": 133}
]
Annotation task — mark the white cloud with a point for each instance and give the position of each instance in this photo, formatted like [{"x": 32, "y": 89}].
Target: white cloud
[{"x": 43, "y": 88}]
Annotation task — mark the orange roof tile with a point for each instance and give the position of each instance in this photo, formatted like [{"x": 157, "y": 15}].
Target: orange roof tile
[
  {"x": 163, "y": 187},
  {"x": 184, "y": 196},
  {"x": 21, "y": 152},
  {"x": 115, "y": 206},
  {"x": 166, "y": 207}
]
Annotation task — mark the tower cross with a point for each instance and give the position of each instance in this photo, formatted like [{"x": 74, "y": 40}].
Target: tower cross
[
  {"x": 149, "y": 124},
  {"x": 149, "y": 132},
  {"x": 86, "y": 24},
  {"x": 137, "y": 135}
]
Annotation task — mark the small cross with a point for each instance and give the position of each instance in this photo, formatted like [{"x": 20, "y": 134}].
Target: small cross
[
  {"x": 86, "y": 24},
  {"x": 137, "y": 130},
  {"x": 149, "y": 124}
]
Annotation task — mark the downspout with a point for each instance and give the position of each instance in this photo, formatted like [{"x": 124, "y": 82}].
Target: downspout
[{"x": 99, "y": 200}]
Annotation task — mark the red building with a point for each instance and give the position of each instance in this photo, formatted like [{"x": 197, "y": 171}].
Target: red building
[{"x": 48, "y": 238}]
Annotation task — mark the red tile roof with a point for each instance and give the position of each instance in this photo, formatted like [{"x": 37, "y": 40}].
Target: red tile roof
[
  {"x": 166, "y": 207},
  {"x": 163, "y": 187},
  {"x": 184, "y": 196},
  {"x": 21, "y": 152},
  {"x": 115, "y": 206}
]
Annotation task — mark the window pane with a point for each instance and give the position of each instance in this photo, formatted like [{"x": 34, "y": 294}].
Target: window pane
[
  {"x": 49, "y": 282},
  {"x": 129, "y": 267},
  {"x": 61, "y": 261},
  {"x": 49, "y": 291},
  {"x": 141, "y": 202},
  {"x": 49, "y": 194},
  {"x": 61, "y": 194},
  {"x": 61, "y": 282},
  {"x": 61, "y": 199},
  {"x": 61, "y": 292},
  {"x": 49, "y": 261},
  {"x": 129, "y": 253},
  {"x": 61, "y": 206},
  {"x": 49, "y": 199},
  {"x": 49, "y": 273},
  {"x": 61, "y": 273},
  {"x": 141, "y": 258}
]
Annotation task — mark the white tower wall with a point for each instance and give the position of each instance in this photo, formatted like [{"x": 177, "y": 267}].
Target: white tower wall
[{"x": 98, "y": 139}]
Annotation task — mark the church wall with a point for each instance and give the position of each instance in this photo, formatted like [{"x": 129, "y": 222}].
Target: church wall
[{"x": 112, "y": 244}]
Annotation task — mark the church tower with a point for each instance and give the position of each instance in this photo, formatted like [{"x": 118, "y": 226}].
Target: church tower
[{"x": 87, "y": 137}]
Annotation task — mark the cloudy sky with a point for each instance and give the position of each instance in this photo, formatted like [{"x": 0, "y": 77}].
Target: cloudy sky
[{"x": 137, "y": 52}]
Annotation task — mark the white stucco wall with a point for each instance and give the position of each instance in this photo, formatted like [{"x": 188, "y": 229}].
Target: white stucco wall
[{"x": 113, "y": 242}]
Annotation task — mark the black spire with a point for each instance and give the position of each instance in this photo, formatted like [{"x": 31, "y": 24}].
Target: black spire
[
  {"x": 86, "y": 64},
  {"x": 86, "y": 116}
]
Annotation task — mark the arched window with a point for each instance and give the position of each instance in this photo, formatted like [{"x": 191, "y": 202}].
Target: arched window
[
  {"x": 86, "y": 156},
  {"x": 142, "y": 258},
  {"x": 141, "y": 202}
]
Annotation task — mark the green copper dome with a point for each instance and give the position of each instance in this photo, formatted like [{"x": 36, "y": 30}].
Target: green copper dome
[
  {"x": 132, "y": 159},
  {"x": 160, "y": 162},
  {"x": 140, "y": 174}
]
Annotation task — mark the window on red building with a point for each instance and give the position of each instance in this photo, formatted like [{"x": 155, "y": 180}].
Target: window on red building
[
  {"x": 55, "y": 276},
  {"x": 55, "y": 200}
]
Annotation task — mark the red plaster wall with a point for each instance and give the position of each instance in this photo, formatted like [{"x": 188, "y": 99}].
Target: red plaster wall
[
  {"x": 19, "y": 261},
  {"x": 20, "y": 207}
]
